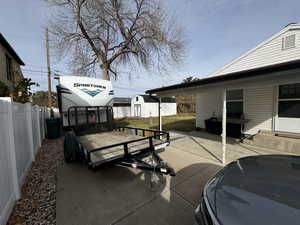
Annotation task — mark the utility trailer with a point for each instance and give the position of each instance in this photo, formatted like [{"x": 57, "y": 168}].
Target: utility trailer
[{"x": 92, "y": 138}]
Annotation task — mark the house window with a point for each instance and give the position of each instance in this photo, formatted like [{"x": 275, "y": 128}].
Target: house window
[
  {"x": 137, "y": 99},
  {"x": 235, "y": 103},
  {"x": 9, "y": 75},
  {"x": 289, "y": 101},
  {"x": 289, "y": 41}
]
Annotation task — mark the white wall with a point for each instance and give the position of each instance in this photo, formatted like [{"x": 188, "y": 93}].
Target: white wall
[
  {"x": 137, "y": 99},
  {"x": 21, "y": 132},
  {"x": 208, "y": 104},
  {"x": 151, "y": 108},
  {"x": 258, "y": 108},
  {"x": 122, "y": 112},
  {"x": 268, "y": 54}
]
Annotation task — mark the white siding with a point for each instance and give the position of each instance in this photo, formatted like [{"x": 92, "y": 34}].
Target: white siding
[
  {"x": 258, "y": 108},
  {"x": 122, "y": 112},
  {"x": 168, "y": 109},
  {"x": 207, "y": 105},
  {"x": 151, "y": 108},
  {"x": 269, "y": 53},
  {"x": 137, "y": 100}
]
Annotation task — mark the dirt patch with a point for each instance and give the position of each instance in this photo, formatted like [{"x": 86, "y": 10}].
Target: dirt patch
[{"x": 38, "y": 200}]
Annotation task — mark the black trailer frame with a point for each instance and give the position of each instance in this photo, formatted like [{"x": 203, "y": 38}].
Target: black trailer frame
[{"x": 74, "y": 149}]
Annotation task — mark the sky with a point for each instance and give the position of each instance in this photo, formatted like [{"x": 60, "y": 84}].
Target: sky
[{"x": 216, "y": 32}]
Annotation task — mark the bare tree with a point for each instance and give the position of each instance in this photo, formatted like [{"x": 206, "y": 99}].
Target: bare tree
[{"x": 102, "y": 35}]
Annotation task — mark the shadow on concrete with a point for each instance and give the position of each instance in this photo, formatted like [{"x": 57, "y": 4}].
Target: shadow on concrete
[
  {"x": 213, "y": 137},
  {"x": 206, "y": 149},
  {"x": 123, "y": 196}
]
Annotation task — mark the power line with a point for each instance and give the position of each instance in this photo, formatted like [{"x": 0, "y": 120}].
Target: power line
[
  {"x": 35, "y": 65},
  {"x": 35, "y": 71},
  {"x": 128, "y": 89}
]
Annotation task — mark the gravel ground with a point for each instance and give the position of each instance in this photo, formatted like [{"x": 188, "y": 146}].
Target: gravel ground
[{"x": 37, "y": 204}]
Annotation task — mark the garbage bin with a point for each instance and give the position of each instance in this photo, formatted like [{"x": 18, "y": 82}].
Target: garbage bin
[{"x": 53, "y": 128}]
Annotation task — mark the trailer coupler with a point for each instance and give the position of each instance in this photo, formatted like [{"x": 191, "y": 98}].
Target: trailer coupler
[{"x": 161, "y": 167}]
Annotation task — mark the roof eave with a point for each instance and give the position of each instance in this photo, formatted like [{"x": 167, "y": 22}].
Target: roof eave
[
  {"x": 231, "y": 76},
  {"x": 8, "y": 47}
]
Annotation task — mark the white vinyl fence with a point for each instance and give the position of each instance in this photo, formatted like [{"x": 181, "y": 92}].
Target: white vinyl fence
[{"x": 22, "y": 129}]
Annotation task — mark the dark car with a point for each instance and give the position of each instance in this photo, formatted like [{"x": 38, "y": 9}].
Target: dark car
[{"x": 255, "y": 190}]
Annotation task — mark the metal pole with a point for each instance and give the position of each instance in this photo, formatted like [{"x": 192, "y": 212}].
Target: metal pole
[
  {"x": 224, "y": 128},
  {"x": 159, "y": 115},
  {"x": 49, "y": 70}
]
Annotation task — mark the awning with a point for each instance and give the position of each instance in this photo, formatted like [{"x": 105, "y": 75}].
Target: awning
[
  {"x": 252, "y": 73},
  {"x": 263, "y": 76}
]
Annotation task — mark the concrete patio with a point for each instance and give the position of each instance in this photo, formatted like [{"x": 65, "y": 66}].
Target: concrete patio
[{"x": 123, "y": 196}]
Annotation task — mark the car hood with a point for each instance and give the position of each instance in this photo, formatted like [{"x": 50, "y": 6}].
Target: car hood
[{"x": 257, "y": 190}]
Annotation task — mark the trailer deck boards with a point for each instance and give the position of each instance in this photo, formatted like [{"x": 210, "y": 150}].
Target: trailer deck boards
[{"x": 98, "y": 140}]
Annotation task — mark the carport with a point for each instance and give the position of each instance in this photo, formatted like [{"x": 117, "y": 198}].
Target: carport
[{"x": 265, "y": 78}]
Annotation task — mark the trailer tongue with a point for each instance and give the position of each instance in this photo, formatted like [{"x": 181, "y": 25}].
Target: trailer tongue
[{"x": 92, "y": 138}]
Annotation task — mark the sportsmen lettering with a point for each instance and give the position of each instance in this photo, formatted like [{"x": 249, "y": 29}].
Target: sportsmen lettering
[{"x": 89, "y": 85}]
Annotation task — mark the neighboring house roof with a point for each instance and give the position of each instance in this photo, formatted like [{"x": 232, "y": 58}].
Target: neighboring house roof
[
  {"x": 149, "y": 99},
  {"x": 11, "y": 51},
  {"x": 291, "y": 26},
  {"x": 233, "y": 76},
  {"x": 122, "y": 100}
]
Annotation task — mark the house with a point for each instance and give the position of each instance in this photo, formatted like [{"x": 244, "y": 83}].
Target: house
[
  {"x": 259, "y": 90},
  {"x": 121, "y": 107},
  {"x": 10, "y": 64},
  {"x": 147, "y": 106}
]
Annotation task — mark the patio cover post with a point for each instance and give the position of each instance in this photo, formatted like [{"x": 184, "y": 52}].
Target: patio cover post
[
  {"x": 224, "y": 128},
  {"x": 159, "y": 115}
]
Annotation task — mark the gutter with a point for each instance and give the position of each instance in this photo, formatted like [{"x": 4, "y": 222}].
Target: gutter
[{"x": 295, "y": 64}]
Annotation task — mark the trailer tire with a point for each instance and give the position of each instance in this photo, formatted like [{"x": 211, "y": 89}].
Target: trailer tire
[
  {"x": 70, "y": 148},
  {"x": 80, "y": 152}
]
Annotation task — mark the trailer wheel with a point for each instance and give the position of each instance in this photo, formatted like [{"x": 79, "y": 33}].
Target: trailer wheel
[
  {"x": 79, "y": 152},
  {"x": 69, "y": 148}
]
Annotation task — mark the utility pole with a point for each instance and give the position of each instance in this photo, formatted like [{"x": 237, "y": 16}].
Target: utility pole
[{"x": 49, "y": 70}]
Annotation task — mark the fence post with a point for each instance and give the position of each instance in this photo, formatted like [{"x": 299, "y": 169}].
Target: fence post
[
  {"x": 39, "y": 125},
  {"x": 42, "y": 115},
  {"x": 29, "y": 129},
  {"x": 12, "y": 147}
]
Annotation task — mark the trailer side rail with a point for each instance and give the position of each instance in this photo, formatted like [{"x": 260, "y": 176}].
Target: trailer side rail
[
  {"x": 156, "y": 133},
  {"x": 128, "y": 155}
]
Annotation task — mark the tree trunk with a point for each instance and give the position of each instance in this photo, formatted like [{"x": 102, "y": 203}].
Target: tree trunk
[{"x": 105, "y": 72}]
